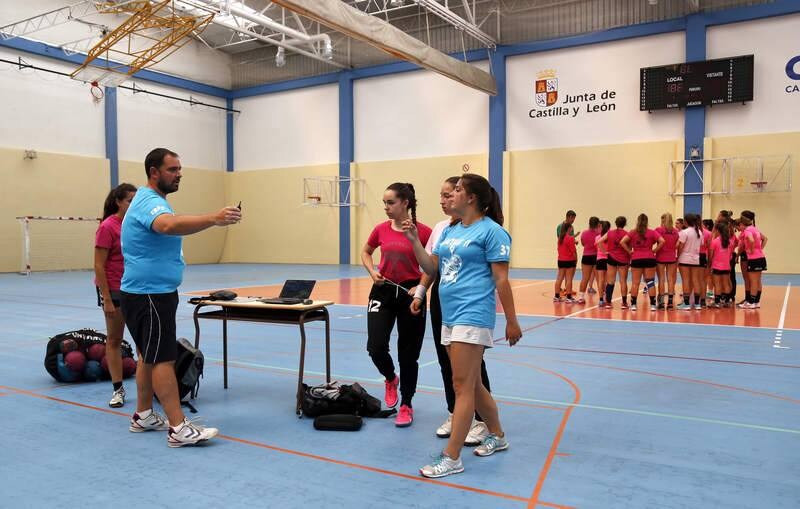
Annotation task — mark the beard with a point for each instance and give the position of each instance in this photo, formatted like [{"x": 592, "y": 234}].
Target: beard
[{"x": 166, "y": 188}]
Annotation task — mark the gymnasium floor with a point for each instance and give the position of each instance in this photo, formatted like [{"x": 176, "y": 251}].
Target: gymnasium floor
[{"x": 603, "y": 409}]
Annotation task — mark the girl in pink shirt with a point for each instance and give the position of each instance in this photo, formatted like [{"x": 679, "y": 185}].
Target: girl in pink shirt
[
  {"x": 567, "y": 261},
  {"x": 719, "y": 255},
  {"x": 589, "y": 258},
  {"x": 602, "y": 262},
  {"x": 754, "y": 242},
  {"x": 667, "y": 261},
  {"x": 108, "y": 268},
  {"x": 642, "y": 243},
  {"x": 618, "y": 260},
  {"x": 389, "y": 299}
]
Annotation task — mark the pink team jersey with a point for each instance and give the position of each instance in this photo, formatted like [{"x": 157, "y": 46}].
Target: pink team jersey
[
  {"x": 643, "y": 245},
  {"x": 398, "y": 262},
  {"x": 108, "y": 237},
  {"x": 669, "y": 251},
  {"x": 602, "y": 254},
  {"x": 706, "y": 240},
  {"x": 721, "y": 256},
  {"x": 567, "y": 250},
  {"x": 615, "y": 251},
  {"x": 751, "y": 232},
  {"x": 588, "y": 242}
]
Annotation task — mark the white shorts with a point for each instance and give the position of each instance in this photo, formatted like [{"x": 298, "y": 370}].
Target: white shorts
[{"x": 467, "y": 334}]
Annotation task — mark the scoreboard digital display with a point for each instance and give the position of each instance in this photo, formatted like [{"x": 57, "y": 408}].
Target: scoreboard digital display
[{"x": 705, "y": 83}]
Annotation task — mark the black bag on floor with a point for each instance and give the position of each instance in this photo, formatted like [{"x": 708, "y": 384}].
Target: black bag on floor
[
  {"x": 188, "y": 369},
  {"x": 338, "y": 422},
  {"x": 342, "y": 399}
]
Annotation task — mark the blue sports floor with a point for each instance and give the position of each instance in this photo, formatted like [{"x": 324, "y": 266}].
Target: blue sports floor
[{"x": 599, "y": 414}]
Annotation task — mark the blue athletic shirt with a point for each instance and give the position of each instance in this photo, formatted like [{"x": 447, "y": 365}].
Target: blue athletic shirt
[
  {"x": 466, "y": 286},
  {"x": 153, "y": 261}
]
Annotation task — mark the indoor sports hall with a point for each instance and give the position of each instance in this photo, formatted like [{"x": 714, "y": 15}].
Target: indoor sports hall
[{"x": 289, "y": 125}]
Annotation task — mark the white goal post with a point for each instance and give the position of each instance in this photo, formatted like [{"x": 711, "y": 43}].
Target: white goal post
[{"x": 57, "y": 242}]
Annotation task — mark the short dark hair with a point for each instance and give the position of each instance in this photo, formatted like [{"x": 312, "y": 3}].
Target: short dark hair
[
  {"x": 571, "y": 213},
  {"x": 156, "y": 158}
]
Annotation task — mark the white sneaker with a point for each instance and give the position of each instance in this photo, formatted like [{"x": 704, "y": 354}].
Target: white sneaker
[
  {"x": 442, "y": 466},
  {"x": 189, "y": 433},
  {"x": 446, "y": 428},
  {"x": 491, "y": 444},
  {"x": 477, "y": 433},
  {"x": 118, "y": 398},
  {"x": 153, "y": 422}
]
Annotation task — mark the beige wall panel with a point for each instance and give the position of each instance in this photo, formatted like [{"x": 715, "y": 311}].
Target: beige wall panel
[{"x": 605, "y": 181}]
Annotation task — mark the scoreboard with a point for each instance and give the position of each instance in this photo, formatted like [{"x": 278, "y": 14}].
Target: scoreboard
[{"x": 705, "y": 83}]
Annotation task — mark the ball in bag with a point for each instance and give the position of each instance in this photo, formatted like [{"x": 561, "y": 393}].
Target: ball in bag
[
  {"x": 64, "y": 373},
  {"x": 96, "y": 352},
  {"x": 68, "y": 345},
  {"x": 75, "y": 361},
  {"x": 128, "y": 367},
  {"x": 92, "y": 372}
]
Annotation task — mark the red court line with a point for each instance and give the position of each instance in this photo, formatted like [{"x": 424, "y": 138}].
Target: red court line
[
  {"x": 306, "y": 455},
  {"x": 689, "y": 380},
  {"x": 533, "y": 501},
  {"x": 634, "y": 354}
]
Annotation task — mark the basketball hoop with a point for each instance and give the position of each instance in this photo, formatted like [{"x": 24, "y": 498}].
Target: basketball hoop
[
  {"x": 759, "y": 185},
  {"x": 313, "y": 200},
  {"x": 97, "y": 92}
]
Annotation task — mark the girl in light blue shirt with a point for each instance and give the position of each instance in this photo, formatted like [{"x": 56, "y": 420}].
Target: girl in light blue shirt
[{"x": 472, "y": 259}]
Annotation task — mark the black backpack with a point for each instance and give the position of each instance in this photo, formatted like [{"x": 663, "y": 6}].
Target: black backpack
[
  {"x": 188, "y": 371},
  {"x": 341, "y": 399}
]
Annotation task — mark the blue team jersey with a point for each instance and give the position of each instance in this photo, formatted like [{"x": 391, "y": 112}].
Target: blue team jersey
[
  {"x": 153, "y": 261},
  {"x": 466, "y": 285}
]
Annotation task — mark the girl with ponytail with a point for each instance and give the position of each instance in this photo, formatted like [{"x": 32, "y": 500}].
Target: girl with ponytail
[
  {"x": 390, "y": 298},
  {"x": 472, "y": 258}
]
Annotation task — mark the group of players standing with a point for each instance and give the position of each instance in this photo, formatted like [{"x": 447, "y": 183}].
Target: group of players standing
[{"x": 705, "y": 252}]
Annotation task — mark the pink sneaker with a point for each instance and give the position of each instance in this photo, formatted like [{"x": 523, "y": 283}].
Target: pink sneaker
[
  {"x": 404, "y": 417},
  {"x": 390, "y": 397}
]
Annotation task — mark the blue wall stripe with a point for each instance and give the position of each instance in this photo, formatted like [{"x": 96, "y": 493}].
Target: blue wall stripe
[
  {"x": 54, "y": 52},
  {"x": 694, "y": 123},
  {"x": 112, "y": 148},
  {"x": 346, "y": 156},
  {"x": 497, "y": 123},
  {"x": 229, "y": 134}
]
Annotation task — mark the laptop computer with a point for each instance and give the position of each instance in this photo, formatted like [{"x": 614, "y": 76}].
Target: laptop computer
[{"x": 294, "y": 291}]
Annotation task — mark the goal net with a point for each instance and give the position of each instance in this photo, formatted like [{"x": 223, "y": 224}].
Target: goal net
[{"x": 52, "y": 243}]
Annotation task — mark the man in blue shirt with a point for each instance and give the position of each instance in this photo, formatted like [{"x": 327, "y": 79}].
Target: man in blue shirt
[{"x": 151, "y": 247}]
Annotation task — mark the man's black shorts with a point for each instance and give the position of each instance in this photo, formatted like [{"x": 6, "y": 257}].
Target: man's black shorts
[{"x": 151, "y": 321}]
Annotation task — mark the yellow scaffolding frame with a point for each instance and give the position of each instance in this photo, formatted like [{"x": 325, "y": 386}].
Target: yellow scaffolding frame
[{"x": 145, "y": 17}]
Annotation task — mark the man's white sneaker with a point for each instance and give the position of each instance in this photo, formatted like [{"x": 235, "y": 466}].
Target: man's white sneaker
[
  {"x": 153, "y": 422},
  {"x": 442, "y": 466},
  {"x": 491, "y": 444},
  {"x": 446, "y": 428},
  {"x": 477, "y": 433},
  {"x": 189, "y": 433},
  {"x": 118, "y": 398}
]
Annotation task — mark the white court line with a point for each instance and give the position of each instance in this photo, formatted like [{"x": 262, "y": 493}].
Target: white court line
[
  {"x": 779, "y": 333},
  {"x": 532, "y": 284}
]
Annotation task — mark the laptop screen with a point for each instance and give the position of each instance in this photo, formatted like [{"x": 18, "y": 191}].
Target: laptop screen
[{"x": 297, "y": 288}]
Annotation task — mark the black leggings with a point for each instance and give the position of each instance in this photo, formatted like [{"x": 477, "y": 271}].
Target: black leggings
[
  {"x": 387, "y": 304},
  {"x": 441, "y": 352},
  {"x": 734, "y": 262}
]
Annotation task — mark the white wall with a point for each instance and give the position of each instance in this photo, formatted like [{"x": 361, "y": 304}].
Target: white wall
[
  {"x": 418, "y": 114},
  {"x": 46, "y": 112},
  {"x": 773, "y": 41},
  {"x": 287, "y": 129},
  {"x": 609, "y": 67},
  {"x": 194, "y": 61},
  {"x": 145, "y": 122}
]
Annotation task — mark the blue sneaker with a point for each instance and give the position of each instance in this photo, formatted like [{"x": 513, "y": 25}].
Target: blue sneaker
[{"x": 442, "y": 465}]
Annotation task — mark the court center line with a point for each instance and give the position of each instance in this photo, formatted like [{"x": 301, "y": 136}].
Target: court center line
[
  {"x": 779, "y": 333},
  {"x": 501, "y": 397}
]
